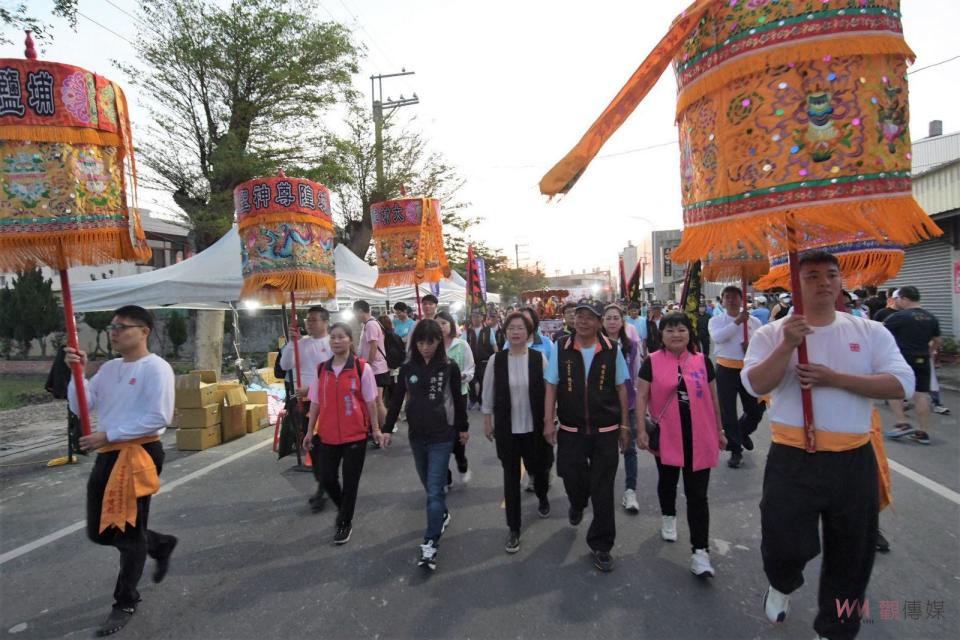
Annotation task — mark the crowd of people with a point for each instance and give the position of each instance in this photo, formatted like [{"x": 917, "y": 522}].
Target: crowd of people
[{"x": 616, "y": 380}]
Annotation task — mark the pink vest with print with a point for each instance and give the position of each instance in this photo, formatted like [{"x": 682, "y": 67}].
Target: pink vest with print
[{"x": 663, "y": 392}]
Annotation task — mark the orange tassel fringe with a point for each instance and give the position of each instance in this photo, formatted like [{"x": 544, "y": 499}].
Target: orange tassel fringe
[{"x": 275, "y": 288}]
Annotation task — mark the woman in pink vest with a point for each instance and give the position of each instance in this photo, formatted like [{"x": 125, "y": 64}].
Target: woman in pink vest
[
  {"x": 342, "y": 400},
  {"x": 677, "y": 389}
]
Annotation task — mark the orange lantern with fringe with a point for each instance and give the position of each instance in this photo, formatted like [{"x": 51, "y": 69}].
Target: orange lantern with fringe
[
  {"x": 66, "y": 161},
  {"x": 286, "y": 239},
  {"x": 408, "y": 240}
]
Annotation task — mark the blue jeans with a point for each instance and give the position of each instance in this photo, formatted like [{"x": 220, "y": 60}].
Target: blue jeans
[
  {"x": 630, "y": 454},
  {"x": 432, "y": 461}
]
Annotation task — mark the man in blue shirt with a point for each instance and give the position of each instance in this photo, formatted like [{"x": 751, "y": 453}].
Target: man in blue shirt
[
  {"x": 634, "y": 320},
  {"x": 403, "y": 323},
  {"x": 760, "y": 310},
  {"x": 586, "y": 380}
]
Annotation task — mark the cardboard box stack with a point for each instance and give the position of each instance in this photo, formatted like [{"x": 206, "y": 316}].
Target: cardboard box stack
[
  {"x": 234, "y": 411},
  {"x": 256, "y": 416},
  {"x": 198, "y": 411}
]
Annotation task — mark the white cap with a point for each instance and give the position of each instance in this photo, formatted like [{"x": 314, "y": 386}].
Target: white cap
[
  {"x": 760, "y": 298},
  {"x": 854, "y": 296},
  {"x": 784, "y": 297},
  {"x": 896, "y": 294}
]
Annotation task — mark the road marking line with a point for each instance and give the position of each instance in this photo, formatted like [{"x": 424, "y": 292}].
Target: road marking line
[
  {"x": 78, "y": 526},
  {"x": 924, "y": 481}
]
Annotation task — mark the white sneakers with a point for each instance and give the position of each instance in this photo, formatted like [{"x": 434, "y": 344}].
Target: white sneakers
[
  {"x": 776, "y": 605},
  {"x": 466, "y": 476},
  {"x": 629, "y": 501},
  {"x": 668, "y": 530},
  {"x": 700, "y": 563}
]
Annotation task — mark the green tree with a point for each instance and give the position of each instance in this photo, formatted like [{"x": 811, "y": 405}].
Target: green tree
[
  {"x": 99, "y": 321},
  {"x": 176, "y": 331},
  {"x": 36, "y": 313},
  {"x": 7, "y": 322},
  {"x": 510, "y": 283},
  {"x": 15, "y": 18},
  {"x": 234, "y": 92}
]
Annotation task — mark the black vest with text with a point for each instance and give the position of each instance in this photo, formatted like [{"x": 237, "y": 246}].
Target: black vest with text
[
  {"x": 502, "y": 421},
  {"x": 587, "y": 400}
]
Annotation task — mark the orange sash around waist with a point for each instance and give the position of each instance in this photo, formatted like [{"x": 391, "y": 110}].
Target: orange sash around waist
[
  {"x": 133, "y": 476},
  {"x": 730, "y": 363},
  {"x": 826, "y": 440}
]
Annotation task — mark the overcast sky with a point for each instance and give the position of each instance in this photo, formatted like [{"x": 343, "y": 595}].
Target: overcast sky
[{"x": 506, "y": 88}]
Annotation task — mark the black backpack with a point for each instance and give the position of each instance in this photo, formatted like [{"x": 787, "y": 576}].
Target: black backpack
[{"x": 396, "y": 352}]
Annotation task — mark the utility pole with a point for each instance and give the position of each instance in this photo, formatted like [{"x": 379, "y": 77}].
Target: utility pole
[
  {"x": 382, "y": 109},
  {"x": 516, "y": 252}
]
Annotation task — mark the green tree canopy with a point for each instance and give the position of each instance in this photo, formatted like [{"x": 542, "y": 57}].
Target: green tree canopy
[
  {"x": 234, "y": 92},
  {"x": 15, "y": 18}
]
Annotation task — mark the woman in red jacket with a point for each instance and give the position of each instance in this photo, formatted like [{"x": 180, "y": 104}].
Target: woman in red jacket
[{"x": 342, "y": 399}]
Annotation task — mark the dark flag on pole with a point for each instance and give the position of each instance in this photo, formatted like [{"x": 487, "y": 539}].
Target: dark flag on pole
[
  {"x": 634, "y": 286},
  {"x": 692, "y": 288},
  {"x": 476, "y": 289},
  {"x": 624, "y": 291}
]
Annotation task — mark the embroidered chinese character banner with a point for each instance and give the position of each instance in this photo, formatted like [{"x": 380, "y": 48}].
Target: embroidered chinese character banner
[
  {"x": 66, "y": 154},
  {"x": 408, "y": 240},
  {"x": 286, "y": 239}
]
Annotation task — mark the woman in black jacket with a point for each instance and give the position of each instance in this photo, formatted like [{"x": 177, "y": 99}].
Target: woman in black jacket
[
  {"x": 513, "y": 405},
  {"x": 436, "y": 415}
]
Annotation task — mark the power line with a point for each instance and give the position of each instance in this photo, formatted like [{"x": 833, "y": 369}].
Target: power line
[
  {"x": 120, "y": 9},
  {"x": 124, "y": 38},
  {"x": 935, "y": 64}
]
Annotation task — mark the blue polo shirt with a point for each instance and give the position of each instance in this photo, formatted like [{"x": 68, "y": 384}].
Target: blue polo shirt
[{"x": 552, "y": 374}]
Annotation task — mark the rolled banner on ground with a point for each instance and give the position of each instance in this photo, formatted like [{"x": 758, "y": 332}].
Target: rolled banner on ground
[
  {"x": 790, "y": 113},
  {"x": 286, "y": 239},
  {"x": 408, "y": 240},
  {"x": 863, "y": 261},
  {"x": 66, "y": 161}
]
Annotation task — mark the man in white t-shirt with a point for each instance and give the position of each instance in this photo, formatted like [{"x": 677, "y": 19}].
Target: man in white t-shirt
[
  {"x": 314, "y": 350},
  {"x": 371, "y": 349},
  {"x": 729, "y": 346},
  {"x": 853, "y": 361},
  {"x": 133, "y": 396}
]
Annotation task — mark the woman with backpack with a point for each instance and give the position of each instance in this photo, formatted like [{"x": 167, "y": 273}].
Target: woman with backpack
[
  {"x": 436, "y": 413},
  {"x": 343, "y": 399},
  {"x": 460, "y": 352}
]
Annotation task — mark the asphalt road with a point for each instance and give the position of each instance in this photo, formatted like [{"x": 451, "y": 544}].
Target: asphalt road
[{"x": 253, "y": 562}]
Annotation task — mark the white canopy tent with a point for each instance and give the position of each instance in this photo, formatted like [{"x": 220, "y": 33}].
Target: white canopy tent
[{"x": 212, "y": 280}]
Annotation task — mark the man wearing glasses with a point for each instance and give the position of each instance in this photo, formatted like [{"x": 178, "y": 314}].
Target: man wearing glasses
[{"x": 133, "y": 396}]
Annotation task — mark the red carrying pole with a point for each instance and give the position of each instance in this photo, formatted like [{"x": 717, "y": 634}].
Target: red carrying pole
[
  {"x": 809, "y": 430},
  {"x": 416, "y": 288},
  {"x": 746, "y": 325},
  {"x": 74, "y": 343}
]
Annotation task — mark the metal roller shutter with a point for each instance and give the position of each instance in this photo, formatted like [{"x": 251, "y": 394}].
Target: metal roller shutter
[{"x": 927, "y": 266}]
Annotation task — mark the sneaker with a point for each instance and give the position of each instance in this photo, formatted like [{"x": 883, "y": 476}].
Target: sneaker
[
  {"x": 883, "y": 545},
  {"x": 575, "y": 515},
  {"x": 747, "y": 442},
  {"x": 900, "y": 430},
  {"x": 700, "y": 563},
  {"x": 513, "y": 542},
  {"x": 603, "y": 561},
  {"x": 446, "y": 522},
  {"x": 428, "y": 556},
  {"x": 466, "y": 477},
  {"x": 920, "y": 437},
  {"x": 776, "y": 605},
  {"x": 342, "y": 536},
  {"x": 543, "y": 509},
  {"x": 736, "y": 459},
  {"x": 117, "y": 620},
  {"x": 630, "y": 501},
  {"x": 163, "y": 560},
  {"x": 668, "y": 528},
  {"x": 942, "y": 410}
]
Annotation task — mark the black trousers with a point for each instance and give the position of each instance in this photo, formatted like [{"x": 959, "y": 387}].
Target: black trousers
[
  {"x": 475, "y": 387},
  {"x": 588, "y": 465},
  {"x": 315, "y": 466},
  {"x": 352, "y": 456},
  {"x": 695, "y": 485},
  {"x": 729, "y": 387},
  {"x": 134, "y": 543},
  {"x": 511, "y": 450},
  {"x": 801, "y": 492}
]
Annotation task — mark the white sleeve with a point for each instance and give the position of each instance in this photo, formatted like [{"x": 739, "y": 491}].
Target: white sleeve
[
  {"x": 287, "y": 361},
  {"x": 722, "y": 333},
  {"x": 486, "y": 404},
  {"x": 761, "y": 346},
  {"x": 90, "y": 386},
  {"x": 157, "y": 405},
  {"x": 469, "y": 366},
  {"x": 886, "y": 358}
]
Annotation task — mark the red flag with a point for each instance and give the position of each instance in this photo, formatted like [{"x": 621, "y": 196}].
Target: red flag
[{"x": 624, "y": 292}]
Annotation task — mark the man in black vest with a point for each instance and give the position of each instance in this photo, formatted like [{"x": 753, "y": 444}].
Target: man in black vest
[
  {"x": 586, "y": 390},
  {"x": 483, "y": 343}
]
